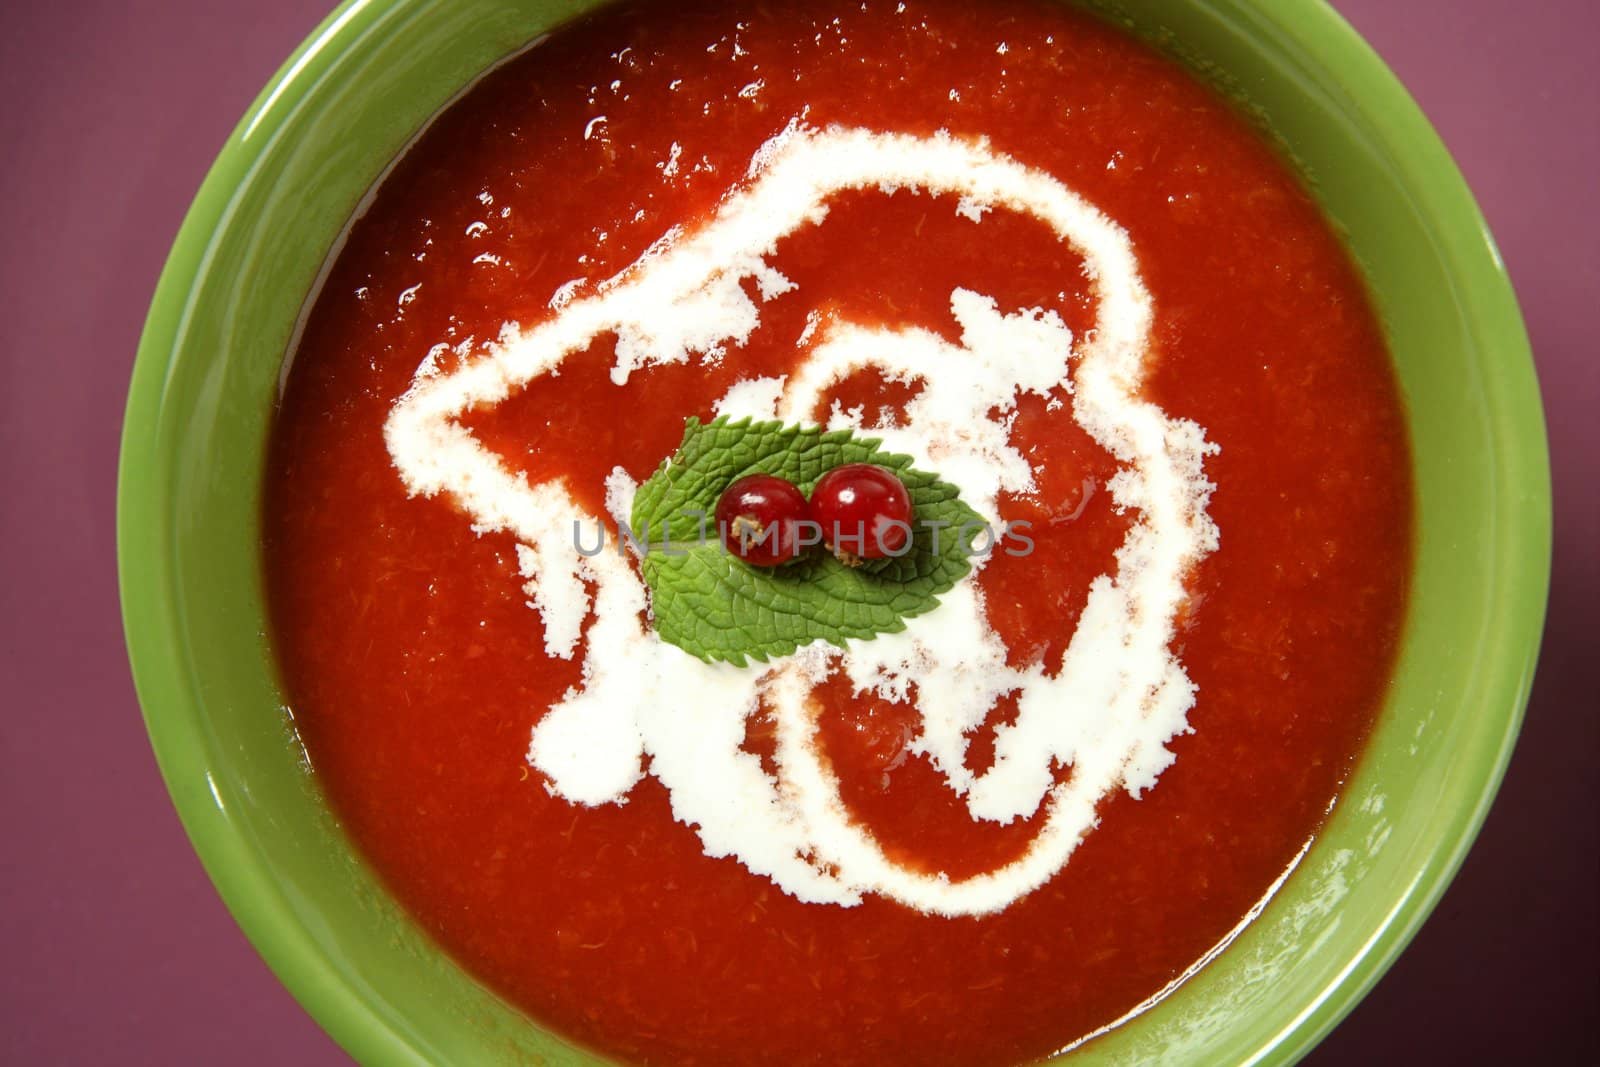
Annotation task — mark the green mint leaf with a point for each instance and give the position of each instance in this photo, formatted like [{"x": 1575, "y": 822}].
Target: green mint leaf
[{"x": 715, "y": 607}]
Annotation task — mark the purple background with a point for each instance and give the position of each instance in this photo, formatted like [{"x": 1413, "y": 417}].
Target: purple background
[{"x": 113, "y": 946}]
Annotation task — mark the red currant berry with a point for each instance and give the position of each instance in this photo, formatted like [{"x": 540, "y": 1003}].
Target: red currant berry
[
  {"x": 864, "y": 511},
  {"x": 759, "y": 518}
]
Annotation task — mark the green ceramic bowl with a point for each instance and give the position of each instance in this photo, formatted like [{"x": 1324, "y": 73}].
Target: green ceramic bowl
[{"x": 209, "y": 369}]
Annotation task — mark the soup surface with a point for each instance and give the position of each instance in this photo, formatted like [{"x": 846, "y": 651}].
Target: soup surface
[{"x": 418, "y": 667}]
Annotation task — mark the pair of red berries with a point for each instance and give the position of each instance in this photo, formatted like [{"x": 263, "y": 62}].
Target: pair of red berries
[{"x": 859, "y": 510}]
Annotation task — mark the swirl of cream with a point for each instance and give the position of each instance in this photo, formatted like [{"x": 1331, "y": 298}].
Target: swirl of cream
[{"x": 1120, "y": 694}]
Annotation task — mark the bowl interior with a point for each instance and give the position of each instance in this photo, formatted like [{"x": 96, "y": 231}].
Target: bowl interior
[{"x": 209, "y": 370}]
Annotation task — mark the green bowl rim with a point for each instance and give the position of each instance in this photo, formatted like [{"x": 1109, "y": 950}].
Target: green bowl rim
[{"x": 242, "y": 877}]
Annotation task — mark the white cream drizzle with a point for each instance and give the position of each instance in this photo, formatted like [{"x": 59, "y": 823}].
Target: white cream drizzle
[{"x": 1120, "y": 695}]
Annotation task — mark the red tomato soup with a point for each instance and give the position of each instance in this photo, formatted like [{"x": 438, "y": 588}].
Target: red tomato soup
[{"x": 418, "y": 669}]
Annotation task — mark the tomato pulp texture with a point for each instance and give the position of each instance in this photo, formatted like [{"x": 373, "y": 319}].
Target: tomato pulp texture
[{"x": 416, "y": 669}]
